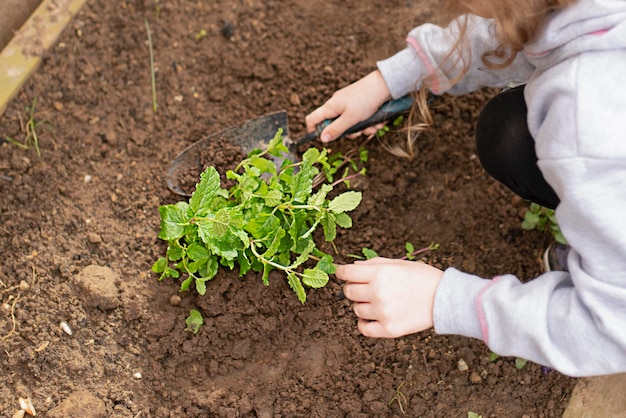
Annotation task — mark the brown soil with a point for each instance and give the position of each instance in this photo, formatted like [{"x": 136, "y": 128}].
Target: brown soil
[{"x": 92, "y": 199}]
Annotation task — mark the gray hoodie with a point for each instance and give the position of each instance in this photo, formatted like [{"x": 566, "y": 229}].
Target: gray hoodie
[{"x": 575, "y": 72}]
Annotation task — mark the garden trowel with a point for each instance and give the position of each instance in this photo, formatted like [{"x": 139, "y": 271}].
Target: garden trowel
[{"x": 257, "y": 133}]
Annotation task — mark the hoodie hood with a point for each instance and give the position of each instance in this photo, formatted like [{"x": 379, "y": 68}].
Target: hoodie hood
[{"x": 589, "y": 25}]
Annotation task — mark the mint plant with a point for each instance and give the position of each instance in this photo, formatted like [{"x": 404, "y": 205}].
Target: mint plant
[
  {"x": 194, "y": 321},
  {"x": 265, "y": 222},
  {"x": 541, "y": 218}
]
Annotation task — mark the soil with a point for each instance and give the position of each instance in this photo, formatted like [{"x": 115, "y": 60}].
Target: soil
[{"x": 79, "y": 227}]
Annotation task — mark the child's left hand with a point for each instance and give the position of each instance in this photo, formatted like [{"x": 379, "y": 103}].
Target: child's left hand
[{"x": 391, "y": 297}]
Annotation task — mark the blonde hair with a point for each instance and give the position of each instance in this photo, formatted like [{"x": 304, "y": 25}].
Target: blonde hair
[{"x": 516, "y": 23}]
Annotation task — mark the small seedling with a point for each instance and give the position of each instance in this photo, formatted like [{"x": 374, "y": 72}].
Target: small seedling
[
  {"x": 473, "y": 415},
  {"x": 31, "y": 140},
  {"x": 351, "y": 165},
  {"x": 152, "y": 68},
  {"x": 367, "y": 254},
  {"x": 194, "y": 321},
  {"x": 265, "y": 222},
  {"x": 411, "y": 253},
  {"x": 400, "y": 399},
  {"x": 385, "y": 129},
  {"x": 200, "y": 34},
  {"x": 520, "y": 363},
  {"x": 540, "y": 218}
]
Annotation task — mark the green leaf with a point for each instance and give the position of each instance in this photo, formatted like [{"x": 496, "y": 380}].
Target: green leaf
[
  {"x": 262, "y": 225},
  {"x": 315, "y": 278},
  {"x": 304, "y": 256},
  {"x": 369, "y": 253},
  {"x": 302, "y": 183},
  {"x": 409, "y": 249},
  {"x": 173, "y": 222},
  {"x": 296, "y": 286},
  {"x": 274, "y": 246},
  {"x": 198, "y": 252},
  {"x": 169, "y": 272},
  {"x": 273, "y": 198},
  {"x": 326, "y": 264},
  {"x": 318, "y": 198},
  {"x": 343, "y": 220},
  {"x": 160, "y": 265},
  {"x": 194, "y": 321},
  {"x": 205, "y": 191},
  {"x": 174, "y": 251},
  {"x": 276, "y": 146},
  {"x": 520, "y": 363},
  {"x": 201, "y": 286},
  {"x": 263, "y": 164},
  {"x": 267, "y": 268},
  {"x": 345, "y": 202},
  {"x": 221, "y": 222},
  {"x": 186, "y": 283},
  {"x": 311, "y": 156},
  {"x": 330, "y": 226}
]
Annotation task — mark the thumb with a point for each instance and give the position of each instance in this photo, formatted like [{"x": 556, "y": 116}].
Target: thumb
[{"x": 336, "y": 128}]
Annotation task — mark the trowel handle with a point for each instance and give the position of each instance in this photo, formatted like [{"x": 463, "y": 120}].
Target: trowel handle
[{"x": 388, "y": 111}]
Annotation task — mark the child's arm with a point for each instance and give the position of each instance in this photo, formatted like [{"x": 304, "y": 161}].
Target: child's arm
[
  {"x": 428, "y": 59},
  {"x": 428, "y": 47}
]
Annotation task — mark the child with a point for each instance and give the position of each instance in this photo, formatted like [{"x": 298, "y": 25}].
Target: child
[{"x": 558, "y": 139}]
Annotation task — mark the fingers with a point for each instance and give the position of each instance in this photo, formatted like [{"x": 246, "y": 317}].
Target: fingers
[
  {"x": 338, "y": 127},
  {"x": 357, "y": 292},
  {"x": 375, "y": 329},
  {"x": 349, "y": 105},
  {"x": 364, "y": 271},
  {"x": 354, "y": 273},
  {"x": 334, "y": 130},
  {"x": 327, "y": 111}
]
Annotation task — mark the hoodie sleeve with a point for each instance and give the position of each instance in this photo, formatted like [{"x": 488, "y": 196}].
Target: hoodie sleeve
[
  {"x": 574, "y": 322},
  {"x": 427, "y": 55}
]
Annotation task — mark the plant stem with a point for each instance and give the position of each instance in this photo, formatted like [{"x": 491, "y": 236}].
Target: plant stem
[{"x": 152, "y": 71}]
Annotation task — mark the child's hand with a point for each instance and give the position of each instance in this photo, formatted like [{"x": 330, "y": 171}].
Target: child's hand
[
  {"x": 351, "y": 104},
  {"x": 392, "y": 298}
]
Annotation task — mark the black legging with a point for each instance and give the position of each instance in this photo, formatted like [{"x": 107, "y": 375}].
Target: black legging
[{"x": 507, "y": 150}]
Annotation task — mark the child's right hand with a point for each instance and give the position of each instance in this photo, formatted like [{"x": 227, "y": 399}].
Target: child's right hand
[{"x": 350, "y": 105}]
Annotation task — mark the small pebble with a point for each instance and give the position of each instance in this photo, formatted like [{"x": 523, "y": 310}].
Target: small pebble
[
  {"x": 462, "y": 365},
  {"x": 137, "y": 375},
  {"x": 66, "y": 328},
  {"x": 24, "y": 286},
  {"x": 27, "y": 406},
  {"x": 475, "y": 378},
  {"x": 94, "y": 238},
  {"x": 175, "y": 300},
  {"x": 228, "y": 30}
]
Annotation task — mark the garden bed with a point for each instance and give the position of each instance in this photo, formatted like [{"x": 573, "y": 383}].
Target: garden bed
[{"x": 92, "y": 199}]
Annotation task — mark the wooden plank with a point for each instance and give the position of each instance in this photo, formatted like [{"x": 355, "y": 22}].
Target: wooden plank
[
  {"x": 598, "y": 397},
  {"x": 14, "y": 14},
  {"x": 21, "y": 57}
]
